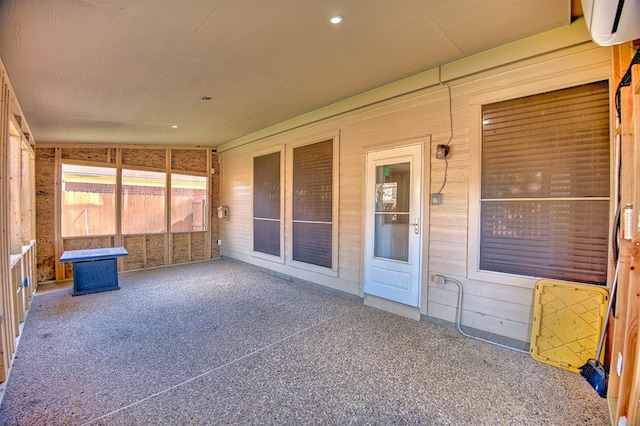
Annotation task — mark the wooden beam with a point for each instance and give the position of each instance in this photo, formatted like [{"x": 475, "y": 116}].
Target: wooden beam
[
  {"x": 57, "y": 215},
  {"x": 168, "y": 253}
]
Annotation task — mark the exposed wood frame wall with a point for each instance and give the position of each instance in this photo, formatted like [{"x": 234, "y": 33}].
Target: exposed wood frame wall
[
  {"x": 624, "y": 376},
  {"x": 17, "y": 237},
  {"x": 145, "y": 250}
]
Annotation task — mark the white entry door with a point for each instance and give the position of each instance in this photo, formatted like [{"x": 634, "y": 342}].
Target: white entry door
[{"x": 393, "y": 238}]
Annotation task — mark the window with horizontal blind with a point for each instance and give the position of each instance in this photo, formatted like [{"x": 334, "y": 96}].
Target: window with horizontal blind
[
  {"x": 545, "y": 185},
  {"x": 313, "y": 204},
  {"x": 266, "y": 204}
]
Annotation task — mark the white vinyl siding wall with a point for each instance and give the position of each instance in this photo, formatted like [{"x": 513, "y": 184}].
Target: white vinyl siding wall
[{"x": 494, "y": 303}]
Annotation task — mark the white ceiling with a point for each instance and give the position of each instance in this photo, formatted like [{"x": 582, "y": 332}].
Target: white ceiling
[{"x": 118, "y": 71}]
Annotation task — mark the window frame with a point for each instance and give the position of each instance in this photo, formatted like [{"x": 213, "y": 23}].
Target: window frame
[
  {"x": 122, "y": 200},
  {"x": 117, "y": 184},
  {"x": 335, "y": 138},
  {"x": 119, "y": 199},
  {"x": 169, "y": 201},
  {"x": 475, "y": 172},
  {"x": 278, "y": 259}
]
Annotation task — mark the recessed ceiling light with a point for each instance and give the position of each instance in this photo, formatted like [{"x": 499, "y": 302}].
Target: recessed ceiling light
[
  {"x": 335, "y": 19},
  {"x": 174, "y": 126}
]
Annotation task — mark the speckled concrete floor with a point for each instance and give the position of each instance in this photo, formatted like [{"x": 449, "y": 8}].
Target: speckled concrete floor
[{"x": 220, "y": 343}]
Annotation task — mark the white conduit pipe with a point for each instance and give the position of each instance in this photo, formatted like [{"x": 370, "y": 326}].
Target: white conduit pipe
[{"x": 459, "y": 315}]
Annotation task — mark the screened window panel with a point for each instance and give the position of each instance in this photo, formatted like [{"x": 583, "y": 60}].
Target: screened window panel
[
  {"x": 313, "y": 203},
  {"x": 565, "y": 240},
  {"x": 545, "y": 185},
  {"x": 266, "y": 204},
  {"x": 143, "y": 201},
  {"x": 313, "y": 182},
  {"x": 188, "y": 203},
  {"x": 266, "y": 186},
  {"x": 312, "y": 243},
  {"x": 88, "y": 203},
  {"x": 550, "y": 145},
  {"x": 266, "y": 236}
]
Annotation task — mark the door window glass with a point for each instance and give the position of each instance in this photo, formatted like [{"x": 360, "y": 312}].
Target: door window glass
[{"x": 392, "y": 200}]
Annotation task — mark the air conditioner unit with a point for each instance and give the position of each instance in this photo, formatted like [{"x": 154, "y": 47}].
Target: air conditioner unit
[{"x": 612, "y": 21}]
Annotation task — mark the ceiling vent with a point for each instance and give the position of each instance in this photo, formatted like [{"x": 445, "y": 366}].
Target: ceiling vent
[{"x": 612, "y": 21}]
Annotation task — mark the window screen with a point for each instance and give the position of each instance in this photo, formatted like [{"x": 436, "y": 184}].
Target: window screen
[
  {"x": 88, "y": 200},
  {"x": 188, "y": 203},
  {"x": 266, "y": 204},
  {"x": 143, "y": 201},
  {"x": 313, "y": 203},
  {"x": 545, "y": 185}
]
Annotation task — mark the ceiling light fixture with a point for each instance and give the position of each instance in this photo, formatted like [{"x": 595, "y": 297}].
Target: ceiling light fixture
[
  {"x": 335, "y": 19},
  {"x": 174, "y": 126}
]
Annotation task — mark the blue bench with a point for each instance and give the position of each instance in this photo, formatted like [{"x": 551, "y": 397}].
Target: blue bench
[{"x": 94, "y": 270}]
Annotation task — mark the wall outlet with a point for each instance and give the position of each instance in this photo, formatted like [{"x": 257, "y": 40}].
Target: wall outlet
[
  {"x": 219, "y": 242},
  {"x": 439, "y": 279}
]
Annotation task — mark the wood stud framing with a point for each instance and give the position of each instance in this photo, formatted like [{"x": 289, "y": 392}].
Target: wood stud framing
[
  {"x": 17, "y": 238},
  {"x": 145, "y": 250},
  {"x": 623, "y": 390}
]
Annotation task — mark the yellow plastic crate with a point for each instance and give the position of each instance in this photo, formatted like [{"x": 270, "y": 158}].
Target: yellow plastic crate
[{"x": 567, "y": 323}]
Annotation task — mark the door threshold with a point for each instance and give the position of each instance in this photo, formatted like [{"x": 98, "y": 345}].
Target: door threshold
[{"x": 392, "y": 307}]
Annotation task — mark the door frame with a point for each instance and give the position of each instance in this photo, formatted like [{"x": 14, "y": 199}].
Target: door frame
[{"x": 369, "y": 216}]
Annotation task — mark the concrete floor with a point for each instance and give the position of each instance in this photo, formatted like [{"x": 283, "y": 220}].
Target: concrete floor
[{"x": 221, "y": 343}]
